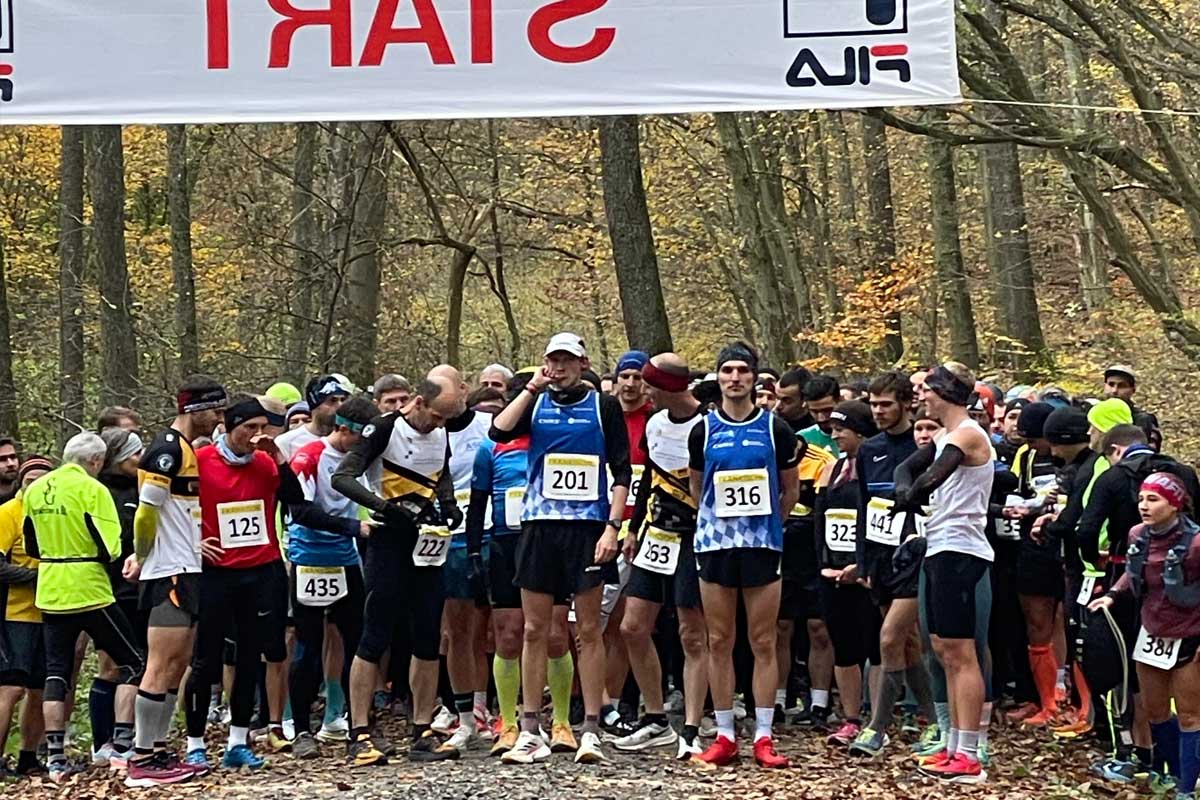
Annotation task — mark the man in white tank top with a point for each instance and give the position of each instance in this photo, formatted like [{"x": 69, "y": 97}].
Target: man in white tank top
[{"x": 954, "y": 475}]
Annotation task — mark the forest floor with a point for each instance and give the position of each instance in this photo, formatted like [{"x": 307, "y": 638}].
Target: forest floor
[{"x": 1026, "y": 765}]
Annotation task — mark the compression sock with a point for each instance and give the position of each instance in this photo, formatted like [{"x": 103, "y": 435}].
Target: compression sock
[
  {"x": 820, "y": 698},
  {"x": 781, "y": 698},
  {"x": 968, "y": 744},
  {"x": 507, "y": 673},
  {"x": 952, "y": 741},
  {"x": 335, "y": 701},
  {"x": 481, "y": 704},
  {"x": 1189, "y": 761},
  {"x": 942, "y": 711},
  {"x": 985, "y": 722},
  {"x": 27, "y": 760},
  {"x": 55, "y": 745},
  {"x": 147, "y": 712},
  {"x": 1166, "y": 737},
  {"x": 763, "y": 719},
  {"x": 560, "y": 674},
  {"x": 164, "y": 722},
  {"x": 891, "y": 688},
  {"x": 591, "y": 724},
  {"x": 464, "y": 707},
  {"x": 122, "y": 738},
  {"x": 1041, "y": 662},
  {"x": 531, "y": 722},
  {"x": 100, "y": 711},
  {"x": 917, "y": 678},
  {"x": 1083, "y": 690}
]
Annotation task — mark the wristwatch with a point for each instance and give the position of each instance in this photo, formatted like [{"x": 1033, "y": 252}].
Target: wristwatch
[{"x": 616, "y": 523}]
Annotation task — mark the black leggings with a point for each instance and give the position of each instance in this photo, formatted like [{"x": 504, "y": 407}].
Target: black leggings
[
  {"x": 853, "y": 623},
  {"x": 248, "y": 606},
  {"x": 306, "y": 672},
  {"x": 111, "y": 633}
]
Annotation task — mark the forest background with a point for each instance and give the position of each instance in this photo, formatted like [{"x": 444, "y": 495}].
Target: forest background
[{"x": 1046, "y": 227}]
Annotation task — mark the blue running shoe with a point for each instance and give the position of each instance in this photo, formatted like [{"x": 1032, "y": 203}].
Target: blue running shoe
[
  {"x": 241, "y": 756},
  {"x": 1115, "y": 770},
  {"x": 197, "y": 761}
]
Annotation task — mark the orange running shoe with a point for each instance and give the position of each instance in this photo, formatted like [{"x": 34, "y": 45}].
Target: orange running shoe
[{"x": 1022, "y": 711}]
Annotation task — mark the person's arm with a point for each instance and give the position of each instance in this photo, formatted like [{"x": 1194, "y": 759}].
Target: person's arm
[
  {"x": 860, "y": 523},
  {"x": 106, "y": 523},
  {"x": 476, "y": 519},
  {"x": 616, "y": 450},
  {"x": 145, "y": 528},
  {"x": 13, "y": 575},
  {"x": 369, "y": 448},
  {"x": 31, "y": 543},
  {"x": 696, "y": 461},
  {"x": 641, "y": 502},
  {"x": 921, "y": 474},
  {"x": 1093, "y": 516},
  {"x": 159, "y": 465},
  {"x": 290, "y": 491},
  {"x": 820, "y": 503},
  {"x": 517, "y": 417},
  {"x": 1004, "y": 483},
  {"x": 787, "y": 458},
  {"x": 309, "y": 515},
  {"x": 451, "y": 514}
]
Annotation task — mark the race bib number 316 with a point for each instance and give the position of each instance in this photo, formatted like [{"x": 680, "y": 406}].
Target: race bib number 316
[{"x": 742, "y": 493}]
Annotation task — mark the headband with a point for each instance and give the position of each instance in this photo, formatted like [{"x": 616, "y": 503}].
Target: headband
[
  {"x": 738, "y": 352},
  {"x": 190, "y": 401},
  {"x": 663, "y": 380},
  {"x": 248, "y": 410},
  {"x": 1168, "y": 487},
  {"x": 32, "y": 463},
  {"x": 345, "y": 422},
  {"x": 948, "y": 387}
]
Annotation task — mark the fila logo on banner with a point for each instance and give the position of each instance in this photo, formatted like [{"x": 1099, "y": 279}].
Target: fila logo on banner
[
  {"x": 811, "y": 19},
  {"x": 6, "y": 46}
]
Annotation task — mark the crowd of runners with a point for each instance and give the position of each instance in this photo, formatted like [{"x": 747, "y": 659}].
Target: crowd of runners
[{"x": 557, "y": 561}]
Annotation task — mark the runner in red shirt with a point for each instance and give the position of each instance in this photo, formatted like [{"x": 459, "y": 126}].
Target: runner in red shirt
[{"x": 244, "y": 587}]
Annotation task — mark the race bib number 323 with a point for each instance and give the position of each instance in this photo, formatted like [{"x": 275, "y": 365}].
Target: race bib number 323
[{"x": 840, "y": 526}]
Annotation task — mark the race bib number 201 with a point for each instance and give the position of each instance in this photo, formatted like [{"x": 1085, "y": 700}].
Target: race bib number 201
[{"x": 571, "y": 477}]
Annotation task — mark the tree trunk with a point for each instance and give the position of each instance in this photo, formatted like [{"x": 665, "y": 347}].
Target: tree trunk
[
  {"x": 360, "y": 335},
  {"x": 305, "y": 238},
  {"x": 952, "y": 276},
  {"x": 883, "y": 222},
  {"x": 70, "y": 282},
  {"x": 510, "y": 318},
  {"x": 642, "y": 303},
  {"x": 10, "y": 424},
  {"x": 119, "y": 353},
  {"x": 179, "y": 203},
  {"x": 847, "y": 192}
]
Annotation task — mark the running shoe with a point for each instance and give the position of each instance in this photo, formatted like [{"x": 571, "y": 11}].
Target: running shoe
[
  {"x": 722, "y": 752},
  {"x": 505, "y": 741},
  {"x": 102, "y": 756},
  {"x": 844, "y": 735},
  {"x": 930, "y": 745},
  {"x": 197, "y": 761},
  {"x": 305, "y": 747},
  {"x": 1022, "y": 711},
  {"x": 119, "y": 761},
  {"x": 59, "y": 771},
  {"x": 869, "y": 743},
  {"x": 816, "y": 718},
  {"x": 362, "y": 752},
  {"x": 380, "y": 700},
  {"x": 155, "y": 771},
  {"x": 688, "y": 750},
  {"x": 708, "y": 728},
  {"x": 483, "y": 725},
  {"x": 289, "y": 729},
  {"x": 1115, "y": 770},
  {"x": 336, "y": 731},
  {"x": 1160, "y": 783},
  {"x": 277, "y": 741},
  {"x": 739, "y": 708},
  {"x": 219, "y": 715},
  {"x": 1043, "y": 718},
  {"x": 647, "y": 735},
  {"x": 1078, "y": 724},
  {"x": 562, "y": 739},
  {"x": 445, "y": 721},
  {"x": 589, "y": 751},
  {"x": 958, "y": 769},
  {"x": 934, "y": 759},
  {"x": 674, "y": 702},
  {"x": 985, "y": 755},
  {"x": 430, "y": 748},
  {"x": 528, "y": 749},
  {"x": 766, "y": 757},
  {"x": 463, "y": 739},
  {"x": 909, "y": 724},
  {"x": 241, "y": 756}
]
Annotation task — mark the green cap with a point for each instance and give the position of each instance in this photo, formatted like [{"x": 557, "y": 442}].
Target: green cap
[
  {"x": 1108, "y": 414},
  {"x": 285, "y": 393}
]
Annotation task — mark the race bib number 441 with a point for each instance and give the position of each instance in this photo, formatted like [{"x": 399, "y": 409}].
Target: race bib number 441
[
  {"x": 243, "y": 523},
  {"x": 742, "y": 493},
  {"x": 571, "y": 477}
]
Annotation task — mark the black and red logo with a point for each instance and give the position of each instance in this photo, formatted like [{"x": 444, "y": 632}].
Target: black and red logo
[
  {"x": 859, "y": 63},
  {"x": 6, "y": 46}
]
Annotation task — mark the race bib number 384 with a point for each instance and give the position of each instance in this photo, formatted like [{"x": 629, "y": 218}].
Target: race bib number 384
[{"x": 1155, "y": 651}]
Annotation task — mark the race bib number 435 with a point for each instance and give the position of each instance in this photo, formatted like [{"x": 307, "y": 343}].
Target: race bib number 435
[
  {"x": 243, "y": 523},
  {"x": 742, "y": 493},
  {"x": 320, "y": 586},
  {"x": 571, "y": 477}
]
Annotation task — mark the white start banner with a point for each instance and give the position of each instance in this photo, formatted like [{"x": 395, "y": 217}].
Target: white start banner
[{"x": 162, "y": 61}]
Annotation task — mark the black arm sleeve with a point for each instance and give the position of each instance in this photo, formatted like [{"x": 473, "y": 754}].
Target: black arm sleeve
[
  {"x": 641, "y": 502},
  {"x": 522, "y": 428},
  {"x": 1093, "y": 517},
  {"x": 12, "y": 574},
  {"x": 820, "y": 503},
  {"x": 445, "y": 484},
  {"x": 290, "y": 491},
  {"x": 309, "y": 515},
  {"x": 788, "y": 448},
  {"x": 907, "y": 471},
  {"x": 914, "y": 489},
  {"x": 355, "y": 463},
  {"x": 860, "y": 524},
  {"x": 696, "y": 447},
  {"x": 476, "y": 511},
  {"x": 31, "y": 543},
  {"x": 616, "y": 440}
]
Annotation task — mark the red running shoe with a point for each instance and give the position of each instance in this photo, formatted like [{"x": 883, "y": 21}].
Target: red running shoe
[
  {"x": 156, "y": 771},
  {"x": 721, "y": 753},
  {"x": 766, "y": 757},
  {"x": 958, "y": 769}
]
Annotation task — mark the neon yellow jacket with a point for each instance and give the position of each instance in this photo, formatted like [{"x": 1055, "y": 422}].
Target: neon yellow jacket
[{"x": 71, "y": 524}]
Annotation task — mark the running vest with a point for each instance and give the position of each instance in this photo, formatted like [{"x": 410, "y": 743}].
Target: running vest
[
  {"x": 671, "y": 506},
  {"x": 1178, "y": 590},
  {"x": 463, "y": 446},
  {"x": 568, "y": 476},
  {"x": 412, "y": 464},
  {"x": 958, "y": 520},
  {"x": 739, "y": 507}
]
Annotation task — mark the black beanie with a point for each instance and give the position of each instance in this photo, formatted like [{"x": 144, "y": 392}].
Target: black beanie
[
  {"x": 1067, "y": 425},
  {"x": 855, "y": 415},
  {"x": 1032, "y": 421}
]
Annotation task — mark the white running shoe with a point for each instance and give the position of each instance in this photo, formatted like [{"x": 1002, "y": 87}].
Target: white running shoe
[
  {"x": 445, "y": 722},
  {"x": 589, "y": 751},
  {"x": 687, "y": 751},
  {"x": 336, "y": 731},
  {"x": 529, "y": 749},
  {"x": 289, "y": 729},
  {"x": 649, "y": 734},
  {"x": 463, "y": 739}
]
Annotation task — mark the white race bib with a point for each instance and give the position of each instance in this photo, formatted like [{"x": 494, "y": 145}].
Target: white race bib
[
  {"x": 840, "y": 525},
  {"x": 1010, "y": 528},
  {"x": 432, "y": 545},
  {"x": 243, "y": 523},
  {"x": 921, "y": 521},
  {"x": 513, "y": 500},
  {"x": 659, "y": 552},
  {"x": 1155, "y": 651},
  {"x": 320, "y": 586},
  {"x": 1086, "y": 589},
  {"x": 638, "y": 471},
  {"x": 742, "y": 493},
  {"x": 882, "y": 527},
  {"x": 566, "y": 476},
  {"x": 462, "y": 499}
]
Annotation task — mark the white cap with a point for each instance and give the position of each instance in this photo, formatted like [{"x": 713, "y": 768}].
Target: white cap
[{"x": 566, "y": 343}]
